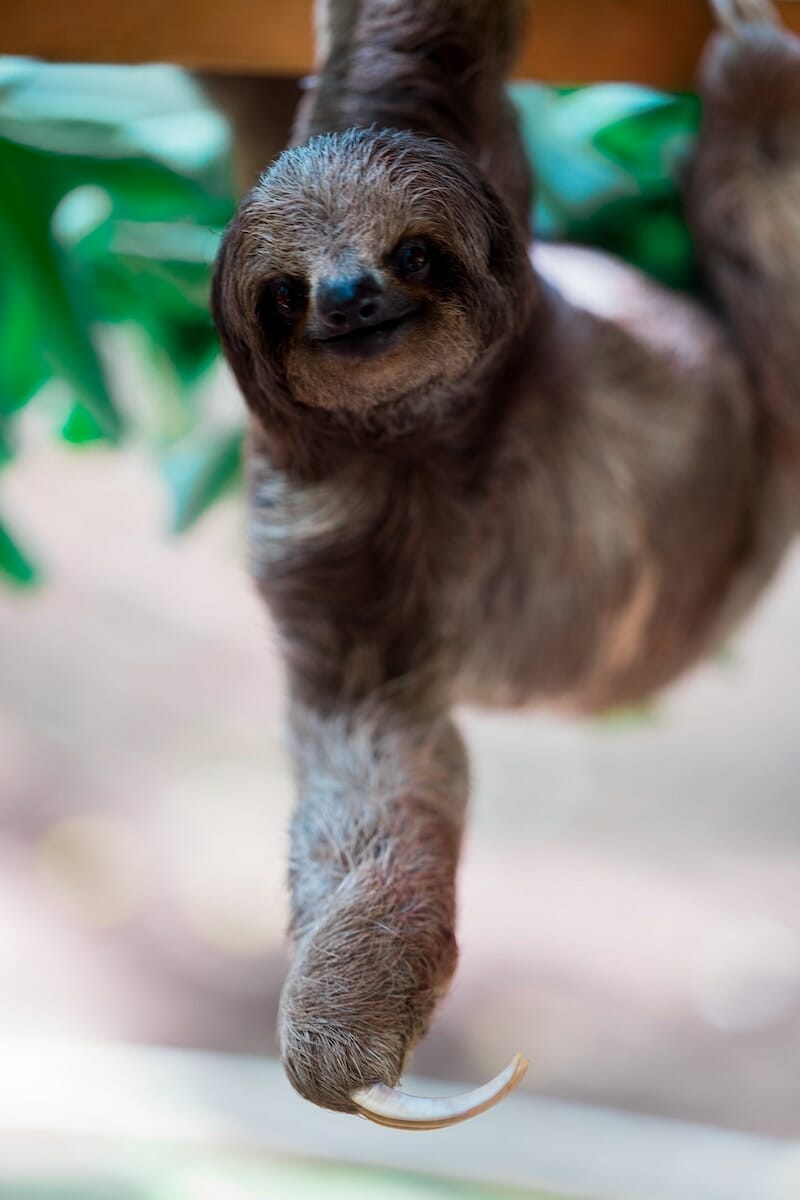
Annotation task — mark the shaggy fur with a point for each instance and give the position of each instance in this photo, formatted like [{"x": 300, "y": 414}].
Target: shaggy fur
[{"x": 554, "y": 482}]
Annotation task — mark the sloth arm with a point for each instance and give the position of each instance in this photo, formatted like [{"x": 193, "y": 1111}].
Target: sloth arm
[
  {"x": 375, "y": 840},
  {"x": 380, "y": 770},
  {"x": 437, "y": 67}
]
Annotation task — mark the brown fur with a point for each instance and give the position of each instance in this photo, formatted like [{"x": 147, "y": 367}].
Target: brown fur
[{"x": 560, "y": 484}]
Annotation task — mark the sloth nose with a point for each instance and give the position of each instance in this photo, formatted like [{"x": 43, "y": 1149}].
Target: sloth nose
[{"x": 344, "y": 305}]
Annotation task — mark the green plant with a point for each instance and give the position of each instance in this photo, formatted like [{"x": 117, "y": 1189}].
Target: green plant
[
  {"x": 608, "y": 161},
  {"x": 116, "y": 183}
]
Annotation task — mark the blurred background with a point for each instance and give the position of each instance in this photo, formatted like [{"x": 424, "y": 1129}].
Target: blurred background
[{"x": 630, "y": 896}]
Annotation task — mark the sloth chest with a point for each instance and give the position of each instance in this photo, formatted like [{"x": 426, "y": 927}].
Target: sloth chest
[{"x": 368, "y": 557}]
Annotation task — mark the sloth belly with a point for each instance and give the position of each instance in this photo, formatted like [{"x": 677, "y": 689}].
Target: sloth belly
[
  {"x": 602, "y": 631},
  {"x": 632, "y": 531}
]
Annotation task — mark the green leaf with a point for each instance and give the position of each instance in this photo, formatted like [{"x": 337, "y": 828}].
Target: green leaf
[
  {"x": 15, "y": 564},
  {"x": 81, "y": 428},
  {"x": 100, "y": 111},
  {"x": 23, "y": 364},
  {"x": 199, "y": 470},
  {"x": 6, "y": 446},
  {"x": 561, "y": 131},
  {"x": 143, "y": 132},
  {"x": 607, "y": 160},
  {"x": 192, "y": 347},
  {"x": 652, "y": 142},
  {"x": 91, "y": 156},
  {"x": 63, "y": 312},
  {"x": 662, "y": 245}
]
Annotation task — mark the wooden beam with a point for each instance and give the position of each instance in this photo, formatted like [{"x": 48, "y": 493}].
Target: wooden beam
[
  {"x": 569, "y": 41},
  {"x": 657, "y": 42},
  {"x": 270, "y": 37}
]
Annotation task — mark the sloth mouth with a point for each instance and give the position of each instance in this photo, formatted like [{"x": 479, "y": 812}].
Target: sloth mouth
[{"x": 371, "y": 341}]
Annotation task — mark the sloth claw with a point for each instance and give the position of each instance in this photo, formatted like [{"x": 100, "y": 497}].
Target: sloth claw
[{"x": 398, "y": 1110}]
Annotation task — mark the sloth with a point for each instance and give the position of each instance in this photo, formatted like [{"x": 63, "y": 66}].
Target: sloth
[{"x": 483, "y": 471}]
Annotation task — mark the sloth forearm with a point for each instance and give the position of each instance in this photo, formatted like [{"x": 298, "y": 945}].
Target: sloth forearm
[
  {"x": 354, "y": 769},
  {"x": 375, "y": 844},
  {"x": 388, "y": 64}
]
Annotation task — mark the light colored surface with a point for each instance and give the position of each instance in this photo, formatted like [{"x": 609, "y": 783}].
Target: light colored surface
[{"x": 123, "y": 1095}]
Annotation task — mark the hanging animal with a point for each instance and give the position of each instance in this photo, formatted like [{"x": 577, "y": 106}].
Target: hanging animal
[{"x": 483, "y": 470}]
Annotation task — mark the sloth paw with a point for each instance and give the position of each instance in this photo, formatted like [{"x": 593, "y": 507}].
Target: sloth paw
[
  {"x": 753, "y": 80},
  {"x": 736, "y": 15},
  {"x": 362, "y": 989}
]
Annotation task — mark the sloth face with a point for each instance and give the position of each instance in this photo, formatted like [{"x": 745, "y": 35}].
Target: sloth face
[{"x": 365, "y": 269}]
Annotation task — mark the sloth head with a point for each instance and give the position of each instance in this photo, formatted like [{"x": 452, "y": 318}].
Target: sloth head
[{"x": 367, "y": 274}]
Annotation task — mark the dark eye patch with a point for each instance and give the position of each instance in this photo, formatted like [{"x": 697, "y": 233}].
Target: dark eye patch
[
  {"x": 411, "y": 259},
  {"x": 284, "y": 299},
  {"x": 442, "y": 272}
]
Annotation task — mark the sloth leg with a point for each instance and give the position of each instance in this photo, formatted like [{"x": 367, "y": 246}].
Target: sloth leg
[
  {"x": 744, "y": 197},
  {"x": 374, "y": 848}
]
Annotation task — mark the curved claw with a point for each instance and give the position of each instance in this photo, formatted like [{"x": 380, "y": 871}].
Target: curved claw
[{"x": 388, "y": 1106}]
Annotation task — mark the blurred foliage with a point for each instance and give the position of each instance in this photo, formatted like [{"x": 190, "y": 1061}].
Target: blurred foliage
[
  {"x": 117, "y": 182},
  {"x": 116, "y": 185},
  {"x": 608, "y": 161}
]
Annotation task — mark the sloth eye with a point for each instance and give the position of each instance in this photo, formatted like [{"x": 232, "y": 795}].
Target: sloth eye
[
  {"x": 289, "y": 296},
  {"x": 412, "y": 259}
]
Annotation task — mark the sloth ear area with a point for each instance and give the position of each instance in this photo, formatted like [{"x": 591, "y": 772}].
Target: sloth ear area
[
  {"x": 223, "y": 301},
  {"x": 507, "y": 241},
  {"x": 257, "y": 371}
]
